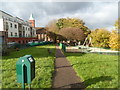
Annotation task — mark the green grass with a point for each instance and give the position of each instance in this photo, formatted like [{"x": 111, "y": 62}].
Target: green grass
[
  {"x": 95, "y": 70},
  {"x": 44, "y": 65}
]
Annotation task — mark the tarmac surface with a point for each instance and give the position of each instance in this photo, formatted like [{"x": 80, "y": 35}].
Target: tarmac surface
[{"x": 65, "y": 76}]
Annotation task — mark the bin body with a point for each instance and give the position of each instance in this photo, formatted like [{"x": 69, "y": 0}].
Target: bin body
[
  {"x": 25, "y": 66},
  {"x": 60, "y": 45},
  {"x": 64, "y": 47}
]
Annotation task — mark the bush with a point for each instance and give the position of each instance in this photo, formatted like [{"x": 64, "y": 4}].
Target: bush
[
  {"x": 114, "y": 40},
  {"x": 100, "y": 38}
]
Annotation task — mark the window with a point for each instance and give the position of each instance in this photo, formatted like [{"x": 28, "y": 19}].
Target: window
[
  {"x": 33, "y": 32},
  {"x": 7, "y": 26},
  {"x": 15, "y": 26},
  {"x": 11, "y": 25},
  {"x": 15, "y": 34},
  {"x": 23, "y": 28},
  {"x": 23, "y": 41},
  {"x": 23, "y": 33},
  {"x": 11, "y": 34},
  {"x": 19, "y": 41}
]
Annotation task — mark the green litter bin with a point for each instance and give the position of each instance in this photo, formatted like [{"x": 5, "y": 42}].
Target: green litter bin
[{"x": 25, "y": 69}]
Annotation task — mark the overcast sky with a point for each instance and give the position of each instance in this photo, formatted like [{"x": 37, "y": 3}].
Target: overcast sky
[{"x": 94, "y": 14}]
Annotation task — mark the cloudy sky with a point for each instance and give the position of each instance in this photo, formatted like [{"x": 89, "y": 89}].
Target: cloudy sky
[{"x": 94, "y": 14}]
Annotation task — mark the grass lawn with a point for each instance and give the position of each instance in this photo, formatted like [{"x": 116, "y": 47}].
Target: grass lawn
[
  {"x": 44, "y": 65},
  {"x": 96, "y": 70}
]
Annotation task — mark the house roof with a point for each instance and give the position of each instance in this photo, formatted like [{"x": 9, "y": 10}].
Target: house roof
[{"x": 40, "y": 30}]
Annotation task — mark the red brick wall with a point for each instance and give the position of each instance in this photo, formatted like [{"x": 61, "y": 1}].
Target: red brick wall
[
  {"x": 21, "y": 40},
  {"x": 33, "y": 22}
]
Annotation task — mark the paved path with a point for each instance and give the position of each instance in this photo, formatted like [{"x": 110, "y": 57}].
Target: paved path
[{"x": 65, "y": 76}]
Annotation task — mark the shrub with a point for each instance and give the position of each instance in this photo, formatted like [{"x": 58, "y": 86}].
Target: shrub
[
  {"x": 114, "y": 40},
  {"x": 100, "y": 38}
]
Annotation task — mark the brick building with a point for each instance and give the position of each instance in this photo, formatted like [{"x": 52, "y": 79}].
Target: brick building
[
  {"x": 42, "y": 34},
  {"x": 14, "y": 29}
]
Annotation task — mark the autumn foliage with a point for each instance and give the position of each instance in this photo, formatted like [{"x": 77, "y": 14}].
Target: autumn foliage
[
  {"x": 74, "y": 29},
  {"x": 114, "y": 40},
  {"x": 100, "y": 38},
  {"x": 72, "y": 22},
  {"x": 67, "y": 29},
  {"x": 72, "y": 33}
]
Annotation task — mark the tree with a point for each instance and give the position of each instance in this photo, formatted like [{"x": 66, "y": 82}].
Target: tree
[
  {"x": 72, "y": 22},
  {"x": 55, "y": 27},
  {"x": 117, "y": 24},
  {"x": 52, "y": 30},
  {"x": 72, "y": 33},
  {"x": 115, "y": 37},
  {"x": 100, "y": 38},
  {"x": 52, "y": 35},
  {"x": 114, "y": 40},
  {"x": 52, "y": 27}
]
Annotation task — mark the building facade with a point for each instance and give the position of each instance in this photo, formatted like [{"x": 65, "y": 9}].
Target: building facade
[
  {"x": 16, "y": 29},
  {"x": 42, "y": 34}
]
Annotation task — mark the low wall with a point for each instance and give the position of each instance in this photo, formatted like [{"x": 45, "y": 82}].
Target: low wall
[{"x": 92, "y": 50}]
